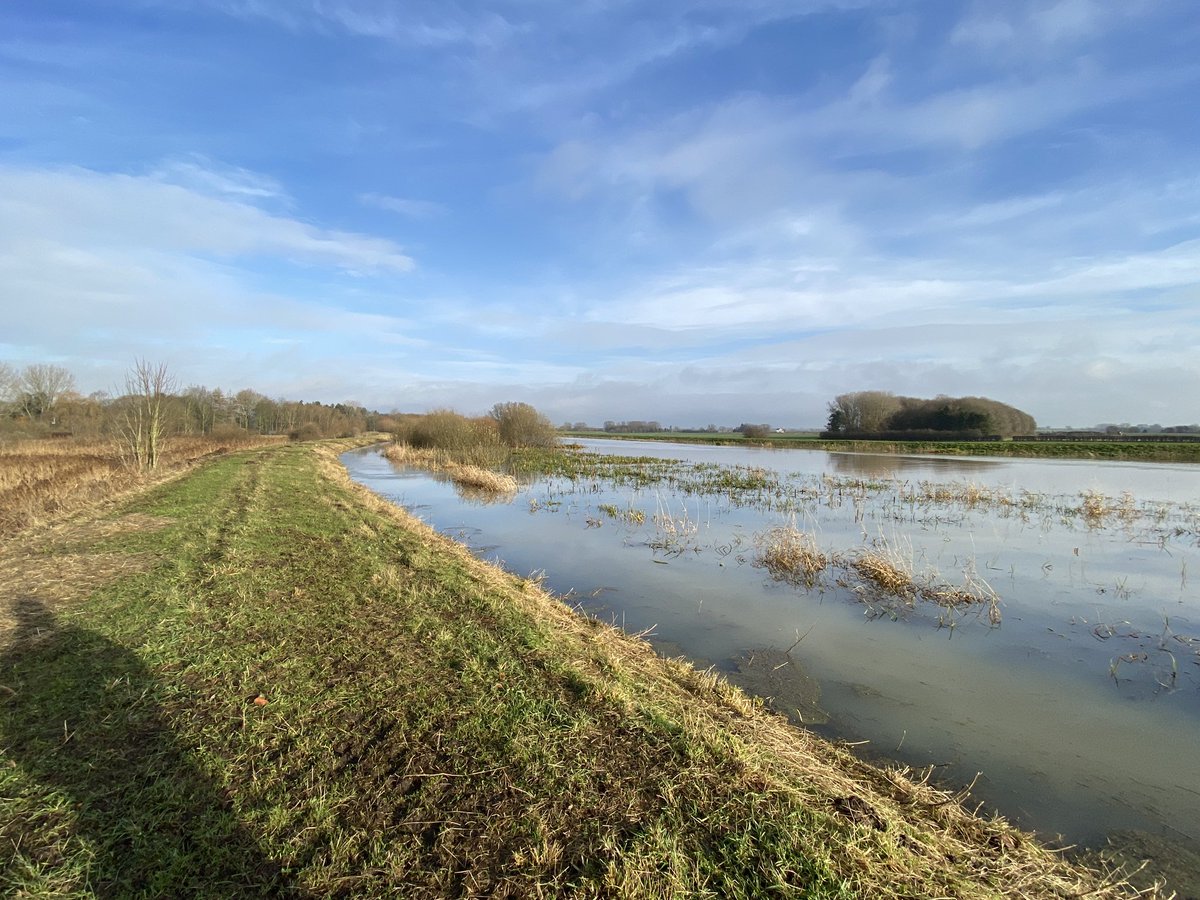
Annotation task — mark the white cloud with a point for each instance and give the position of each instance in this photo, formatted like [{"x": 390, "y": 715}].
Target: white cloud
[
  {"x": 405, "y": 206},
  {"x": 196, "y": 172},
  {"x": 81, "y": 207}
]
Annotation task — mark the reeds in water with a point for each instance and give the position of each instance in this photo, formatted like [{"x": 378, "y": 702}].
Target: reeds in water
[
  {"x": 464, "y": 474},
  {"x": 791, "y": 554}
]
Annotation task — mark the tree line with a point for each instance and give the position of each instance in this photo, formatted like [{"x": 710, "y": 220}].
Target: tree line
[
  {"x": 863, "y": 413},
  {"x": 41, "y": 400}
]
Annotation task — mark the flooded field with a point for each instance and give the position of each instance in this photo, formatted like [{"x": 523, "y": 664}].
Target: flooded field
[{"x": 1043, "y": 646}]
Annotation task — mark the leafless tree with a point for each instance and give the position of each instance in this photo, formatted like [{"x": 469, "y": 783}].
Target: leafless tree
[
  {"x": 862, "y": 411},
  {"x": 10, "y": 386},
  {"x": 148, "y": 386},
  {"x": 41, "y": 388}
]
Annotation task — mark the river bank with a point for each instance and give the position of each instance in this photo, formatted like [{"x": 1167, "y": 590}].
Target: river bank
[{"x": 262, "y": 679}]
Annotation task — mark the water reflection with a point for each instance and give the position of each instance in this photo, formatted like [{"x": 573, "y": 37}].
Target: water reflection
[{"x": 891, "y": 465}]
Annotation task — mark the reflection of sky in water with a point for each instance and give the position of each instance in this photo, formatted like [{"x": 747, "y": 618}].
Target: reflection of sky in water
[
  {"x": 1179, "y": 482},
  {"x": 1032, "y": 704}
]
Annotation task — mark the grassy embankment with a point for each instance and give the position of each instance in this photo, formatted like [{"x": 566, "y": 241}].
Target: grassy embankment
[
  {"x": 259, "y": 679},
  {"x": 1114, "y": 450}
]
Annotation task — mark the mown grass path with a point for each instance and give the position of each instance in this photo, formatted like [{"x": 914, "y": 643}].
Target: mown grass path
[{"x": 276, "y": 684}]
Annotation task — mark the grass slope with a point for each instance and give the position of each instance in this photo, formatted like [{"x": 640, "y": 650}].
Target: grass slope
[{"x": 274, "y": 683}]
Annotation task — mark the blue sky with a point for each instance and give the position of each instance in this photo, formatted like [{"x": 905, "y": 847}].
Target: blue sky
[{"x": 697, "y": 212}]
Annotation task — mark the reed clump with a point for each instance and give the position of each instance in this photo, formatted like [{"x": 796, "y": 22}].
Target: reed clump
[
  {"x": 1094, "y": 507},
  {"x": 886, "y": 576},
  {"x": 791, "y": 554},
  {"x": 463, "y": 474}
]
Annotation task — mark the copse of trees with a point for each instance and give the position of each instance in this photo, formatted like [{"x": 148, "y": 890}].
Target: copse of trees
[
  {"x": 863, "y": 413},
  {"x": 754, "y": 430}
]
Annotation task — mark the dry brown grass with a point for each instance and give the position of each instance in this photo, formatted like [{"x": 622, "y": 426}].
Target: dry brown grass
[
  {"x": 790, "y": 554},
  {"x": 886, "y": 571},
  {"x": 465, "y": 475},
  {"x": 42, "y": 480}
]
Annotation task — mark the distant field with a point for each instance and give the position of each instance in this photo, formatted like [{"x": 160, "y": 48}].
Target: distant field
[{"x": 1115, "y": 449}]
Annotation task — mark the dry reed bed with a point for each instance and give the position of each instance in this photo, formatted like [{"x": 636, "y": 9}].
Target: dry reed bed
[
  {"x": 471, "y": 477},
  {"x": 912, "y": 838},
  {"x": 878, "y": 574},
  {"x": 41, "y": 480}
]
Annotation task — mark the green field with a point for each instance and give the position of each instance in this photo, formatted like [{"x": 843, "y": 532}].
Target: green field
[{"x": 258, "y": 680}]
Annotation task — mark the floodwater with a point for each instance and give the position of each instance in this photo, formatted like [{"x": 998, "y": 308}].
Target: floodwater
[{"x": 1077, "y": 716}]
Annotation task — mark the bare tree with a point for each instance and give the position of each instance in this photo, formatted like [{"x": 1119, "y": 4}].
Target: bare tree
[
  {"x": 862, "y": 411},
  {"x": 41, "y": 388},
  {"x": 148, "y": 386},
  {"x": 10, "y": 386}
]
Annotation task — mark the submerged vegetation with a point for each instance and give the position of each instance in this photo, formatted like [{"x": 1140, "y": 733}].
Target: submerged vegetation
[
  {"x": 278, "y": 684},
  {"x": 891, "y": 499}
]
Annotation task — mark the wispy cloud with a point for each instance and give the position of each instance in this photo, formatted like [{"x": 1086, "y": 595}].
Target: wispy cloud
[
  {"x": 101, "y": 210},
  {"x": 405, "y": 206}
]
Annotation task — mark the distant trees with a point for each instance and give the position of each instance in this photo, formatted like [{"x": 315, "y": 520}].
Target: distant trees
[
  {"x": 753, "y": 431},
  {"x": 40, "y": 400},
  {"x": 862, "y": 411},
  {"x": 873, "y": 412},
  {"x": 10, "y": 382},
  {"x": 41, "y": 387},
  {"x": 635, "y": 426}
]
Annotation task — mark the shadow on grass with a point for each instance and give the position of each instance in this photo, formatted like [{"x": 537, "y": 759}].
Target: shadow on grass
[{"x": 111, "y": 802}]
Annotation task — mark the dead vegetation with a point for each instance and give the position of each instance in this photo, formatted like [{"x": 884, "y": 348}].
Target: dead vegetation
[
  {"x": 790, "y": 554},
  {"x": 883, "y": 575},
  {"x": 473, "y": 478},
  {"x": 42, "y": 480}
]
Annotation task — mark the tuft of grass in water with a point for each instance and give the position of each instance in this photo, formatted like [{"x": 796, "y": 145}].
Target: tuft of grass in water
[
  {"x": 790, "y": 554},
  {"x": 628, "y": 515},
  {"x": 887, "y": 578},
  {"x": 1094, "y": 507}
]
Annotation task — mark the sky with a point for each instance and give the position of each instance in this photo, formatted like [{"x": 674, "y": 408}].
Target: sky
[{"x": 700, "y": 212}]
